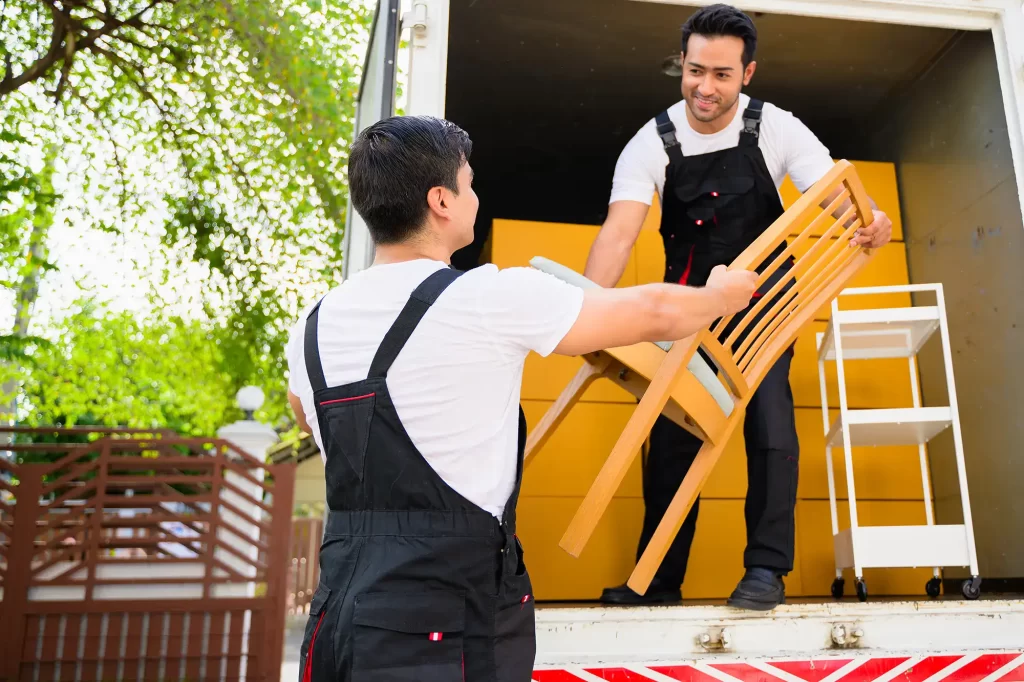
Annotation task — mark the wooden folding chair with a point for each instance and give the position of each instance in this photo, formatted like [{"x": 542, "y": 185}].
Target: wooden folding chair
[{"x": 673, "y": 379}]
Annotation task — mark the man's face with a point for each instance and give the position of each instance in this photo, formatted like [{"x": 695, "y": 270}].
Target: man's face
[
  {"x": 464, "y": 207},
  {"x": 713, "y": 75}
]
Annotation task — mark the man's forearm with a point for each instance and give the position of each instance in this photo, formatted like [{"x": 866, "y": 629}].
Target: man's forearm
[{"x": 607, "y": 260}]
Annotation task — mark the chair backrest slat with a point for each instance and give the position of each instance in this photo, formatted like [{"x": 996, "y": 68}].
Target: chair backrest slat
[{"x": 757, "y": 336}]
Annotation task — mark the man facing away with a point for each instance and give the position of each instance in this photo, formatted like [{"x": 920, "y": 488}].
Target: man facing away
[
  {"x": 408, "y": 377},
  {"x": 717, "y": 159}
]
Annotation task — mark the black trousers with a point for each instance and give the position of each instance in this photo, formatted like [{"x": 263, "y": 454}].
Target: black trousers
[{"x": 773, "y": 452}]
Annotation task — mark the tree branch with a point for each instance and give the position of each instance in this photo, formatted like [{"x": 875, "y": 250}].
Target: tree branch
[
  {"x": 37, "y": 70},
  {"x": 63, "y": 24}
]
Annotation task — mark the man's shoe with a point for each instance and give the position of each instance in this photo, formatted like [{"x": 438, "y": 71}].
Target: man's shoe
[
  {"x": 759, "y": 590},
  {"x": 657, "y": 593}
]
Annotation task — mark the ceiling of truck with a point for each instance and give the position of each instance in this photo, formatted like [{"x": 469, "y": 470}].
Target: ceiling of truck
[{"x": 551, "y": 90}]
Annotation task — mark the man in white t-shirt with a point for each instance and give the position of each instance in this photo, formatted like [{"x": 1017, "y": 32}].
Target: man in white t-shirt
[
  {"x": 408, "y": 377},
  {"x": 717, "y": 159}
]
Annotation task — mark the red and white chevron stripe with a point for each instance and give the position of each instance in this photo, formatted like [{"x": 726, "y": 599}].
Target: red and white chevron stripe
[{"x": 998, "y": 667}]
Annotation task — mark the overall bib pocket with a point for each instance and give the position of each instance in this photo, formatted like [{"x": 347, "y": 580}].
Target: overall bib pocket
[{"x": 408, "y": 637}]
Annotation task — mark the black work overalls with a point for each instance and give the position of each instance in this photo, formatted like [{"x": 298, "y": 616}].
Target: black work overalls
[
  {"x": 417, "y": 584},
  {"x": 713, "y": 206}
]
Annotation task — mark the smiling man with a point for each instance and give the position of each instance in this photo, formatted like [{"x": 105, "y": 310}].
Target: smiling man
[{"x": 717, "y": 159}]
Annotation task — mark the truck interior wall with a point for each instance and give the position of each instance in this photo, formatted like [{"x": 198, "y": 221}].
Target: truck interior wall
[
  {"x": 962, "y": 222},
  {"x": 550, "y": 92}
]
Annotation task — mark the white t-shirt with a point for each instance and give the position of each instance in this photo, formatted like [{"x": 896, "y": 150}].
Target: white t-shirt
[
  {"x": 787, "y": 144},
  {"x": 456, "y": 383}
]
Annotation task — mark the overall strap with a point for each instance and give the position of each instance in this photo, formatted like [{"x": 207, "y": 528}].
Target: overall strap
[
  {"x": 751, "y": 123},
  {"x": 419, "y": 302},
  {"x": 311, "y": 350},
  {"x": 667, "y": 133}
]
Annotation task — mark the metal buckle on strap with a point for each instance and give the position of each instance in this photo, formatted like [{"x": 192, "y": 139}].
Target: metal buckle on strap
[{"x": 667, "y": 133}]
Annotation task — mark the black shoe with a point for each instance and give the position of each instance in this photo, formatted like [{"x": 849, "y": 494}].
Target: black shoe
[
  {"x": 657, "y": 593},
  {"x": 756, "y": 593}
]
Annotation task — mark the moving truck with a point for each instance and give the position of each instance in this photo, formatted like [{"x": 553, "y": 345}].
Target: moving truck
[{"x": 925, "y": 98}]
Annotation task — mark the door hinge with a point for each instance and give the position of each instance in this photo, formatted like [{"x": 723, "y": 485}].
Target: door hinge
[{"x": 416, "y": 20}]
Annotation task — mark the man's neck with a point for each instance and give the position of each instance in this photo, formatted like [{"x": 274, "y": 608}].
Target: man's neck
[{"x": 385, "y": 254}]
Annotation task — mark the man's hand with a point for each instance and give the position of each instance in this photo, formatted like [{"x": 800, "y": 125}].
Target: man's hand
[
  {"x": 736, "y": 287},
  {"x": 877, "y": 234}
]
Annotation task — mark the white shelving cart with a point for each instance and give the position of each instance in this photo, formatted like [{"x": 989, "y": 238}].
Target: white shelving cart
[{"x": 893, "y": 333}]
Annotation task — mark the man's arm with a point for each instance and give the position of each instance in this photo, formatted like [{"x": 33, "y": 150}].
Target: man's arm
[
  {"x": 610, "y": 251},
  {"x": 300, "y": 414},
  {"x": 611, "y": 318}
]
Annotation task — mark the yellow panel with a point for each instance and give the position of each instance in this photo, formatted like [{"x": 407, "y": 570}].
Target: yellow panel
[
  {"x": 607, "y": 560},
  {"x": 515, "y": 242},
  {"x": 869, "y": 383},
  {"x": 569, "y": 462},
  {"x": 650, "y": 257},
  {"x": 817, "y": 559},
  {"x": 883, "y": 473},
  {"x": 880, "y": 182}
]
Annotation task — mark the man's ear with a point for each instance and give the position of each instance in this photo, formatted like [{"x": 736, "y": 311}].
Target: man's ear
[
  {"x": 748, "y": 72},
  {"x": 436, "y": 201}
]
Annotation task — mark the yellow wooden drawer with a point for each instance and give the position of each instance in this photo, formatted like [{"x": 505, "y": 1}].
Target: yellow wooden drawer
[
  {"x": 515, "y": 242},
  {"x": 569, "y": 462},
  {"x": 869, "y": 383},
  {"x": 607, "y": 560},
  {"x": 817, "y": 560},
  {"x": 882, "y": 473}
]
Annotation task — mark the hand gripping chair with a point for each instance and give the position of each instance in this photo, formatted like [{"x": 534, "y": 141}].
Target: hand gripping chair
[{"x": 674, "y": 379}]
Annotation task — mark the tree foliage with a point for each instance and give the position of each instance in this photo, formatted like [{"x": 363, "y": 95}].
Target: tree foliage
[
  {"x": 230, "y": 119},
  {"x": 112, "y": 368}
]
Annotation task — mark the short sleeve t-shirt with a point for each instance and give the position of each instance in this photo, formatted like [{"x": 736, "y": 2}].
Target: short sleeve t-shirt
[
  {"x": 788, "y": 146},
  {"x": 457, "y": 381}
]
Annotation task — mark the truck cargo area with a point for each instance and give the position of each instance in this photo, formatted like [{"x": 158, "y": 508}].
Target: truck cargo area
[{"x": 550, "y": 92}]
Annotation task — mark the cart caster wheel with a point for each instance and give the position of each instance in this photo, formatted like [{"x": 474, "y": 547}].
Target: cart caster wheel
[
  {"x": 862, "y": 590},
  {"x": 971, "y": 588},
  {"x": 934, "y": 587},
  {"x": 837, "y": 588}
]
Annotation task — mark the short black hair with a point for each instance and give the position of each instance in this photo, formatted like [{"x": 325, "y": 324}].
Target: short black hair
[
  {"x": 394, "y": 163},
  {"x": 722, "y": 20}
]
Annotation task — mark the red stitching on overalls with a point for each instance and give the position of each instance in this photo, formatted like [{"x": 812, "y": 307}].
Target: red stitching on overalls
[
  {"x": 307, "y": 673},
  {"x": 689, "y": 264},
  {"x": 347, "y": 400}
]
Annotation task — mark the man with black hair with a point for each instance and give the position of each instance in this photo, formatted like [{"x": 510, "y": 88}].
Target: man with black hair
[
  {"x": 717, "y": 159},
  {"x": 408, "y": 375}
]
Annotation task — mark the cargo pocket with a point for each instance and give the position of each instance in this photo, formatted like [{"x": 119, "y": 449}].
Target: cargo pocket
[
  {"x": 408, "y": 637},
  {"x": 317, "y": 653}
]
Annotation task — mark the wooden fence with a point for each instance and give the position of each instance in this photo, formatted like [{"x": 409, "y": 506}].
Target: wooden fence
[
  {"x": 304, "y": 563},
  {"x": 140, "y": 556}
]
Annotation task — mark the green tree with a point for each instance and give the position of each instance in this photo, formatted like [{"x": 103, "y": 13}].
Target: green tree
[{"x": 230, "y": 118}]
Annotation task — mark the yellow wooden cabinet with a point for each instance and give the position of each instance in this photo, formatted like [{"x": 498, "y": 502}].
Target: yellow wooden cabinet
[{"x": 888, "y": 480}]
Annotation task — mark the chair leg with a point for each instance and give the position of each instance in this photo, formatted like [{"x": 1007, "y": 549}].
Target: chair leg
[
  {"x": 680, "y": 506},
  {"x": 569, "y": 396},
  {"x": 626, "y": 448}
]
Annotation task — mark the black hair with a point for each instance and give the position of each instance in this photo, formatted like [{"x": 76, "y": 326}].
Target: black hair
[
  {"x": 722, "y": 20},
  {"x": 394, "y": 163}
]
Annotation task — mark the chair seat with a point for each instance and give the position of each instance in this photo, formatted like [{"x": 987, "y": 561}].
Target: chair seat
[{"x": 697, "y": 366}]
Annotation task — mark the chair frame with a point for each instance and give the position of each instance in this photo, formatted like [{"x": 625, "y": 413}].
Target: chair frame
[{"x": 664, "y": 385}]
